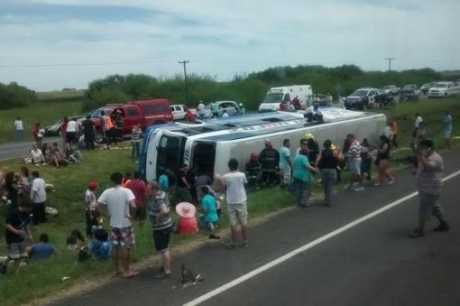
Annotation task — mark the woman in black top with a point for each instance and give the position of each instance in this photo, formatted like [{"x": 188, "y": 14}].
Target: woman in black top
[
  {"x": 383, "y": 162},
  {"x": 327, "y": 164}
]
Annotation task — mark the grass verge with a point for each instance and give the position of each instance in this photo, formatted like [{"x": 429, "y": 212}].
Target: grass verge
[{"x": 39, "y": 279}]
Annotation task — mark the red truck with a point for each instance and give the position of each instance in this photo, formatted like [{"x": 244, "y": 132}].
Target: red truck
[{"x": 144, "y": 113}]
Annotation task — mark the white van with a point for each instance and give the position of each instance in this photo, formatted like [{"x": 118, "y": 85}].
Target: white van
[{"x": 286, "y": 94}]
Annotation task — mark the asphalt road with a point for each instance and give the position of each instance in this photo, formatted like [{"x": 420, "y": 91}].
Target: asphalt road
[
  {"x": 20, "y": 149},
  {"x": 372, "y": 263}
]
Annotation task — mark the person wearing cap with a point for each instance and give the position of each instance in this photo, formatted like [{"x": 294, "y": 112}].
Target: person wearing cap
[
  {"x": 90, "y": 208},
  {"x": 159, "y": 213},
  {"x": 269, "y": 158},
  {"x": 253, "y": 171},
  {"x": 119, "y": 202},
  {"x": 430, "y": 167},
  {"x": 327, "y": 165},
  {"x": 235, "y": 193},
  {"x": 302, "y": 175},
  {"x": 285, "y": 163}
]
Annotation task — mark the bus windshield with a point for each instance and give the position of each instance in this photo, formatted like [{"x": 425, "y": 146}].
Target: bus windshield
[{"x": 170, "y": 154}]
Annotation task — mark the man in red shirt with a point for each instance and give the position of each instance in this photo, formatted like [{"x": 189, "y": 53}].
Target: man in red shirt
[{"x": 139, "y": 188}]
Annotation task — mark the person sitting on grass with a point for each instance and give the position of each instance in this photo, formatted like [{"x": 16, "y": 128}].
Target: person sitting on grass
[
  {"x": 71, "y": 154},
  {"x": 91, "y": 212},
  {"x": 209, "y": 208},
  {"x": 57, "y": 157},
  {"x": 76, "y": 244},
  {"x": 100, "y": 246},
  {"x": 41, "y": 250},
  {"x": 37, "y": 156}
]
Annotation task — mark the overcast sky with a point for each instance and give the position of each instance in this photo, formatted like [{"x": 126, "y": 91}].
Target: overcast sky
[{"x": 51, "y": 44}]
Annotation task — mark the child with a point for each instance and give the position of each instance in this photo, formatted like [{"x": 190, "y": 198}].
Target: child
[
  {"x": 42, "y": 249},
  {"x": 209, "y": 207},
  {"x": 91, "y": 208},
  {"x": 100, "y": 247},
  {"x": 76, "y": 243}
]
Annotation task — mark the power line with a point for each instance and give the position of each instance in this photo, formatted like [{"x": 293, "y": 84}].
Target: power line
[
  {"x": 389, "y": 59},
  {"x": 184, "y": 63}
]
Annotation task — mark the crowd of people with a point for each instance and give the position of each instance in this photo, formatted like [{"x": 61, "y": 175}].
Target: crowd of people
[{"x": 132, "y": 200}]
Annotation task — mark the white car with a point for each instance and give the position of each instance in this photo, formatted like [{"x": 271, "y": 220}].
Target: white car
[
  {"x": 179, "y": 111},
  {"x": 443, "y": 89}
]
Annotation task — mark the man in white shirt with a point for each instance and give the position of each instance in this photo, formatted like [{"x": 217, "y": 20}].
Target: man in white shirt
[
  {"x": 118, "y": 201},
  {"x": 234, "y": 183},
  {"x": 19, "y": 127},
  {"x": 71, "y": 131},
  {"x": 418, "y": 120},
  {"x": 38, "y": 198}
]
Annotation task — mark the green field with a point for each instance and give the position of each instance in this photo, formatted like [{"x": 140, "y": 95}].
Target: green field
[
  {"x": 40, "y": 279},
  {"x": 45, "y": 112}
]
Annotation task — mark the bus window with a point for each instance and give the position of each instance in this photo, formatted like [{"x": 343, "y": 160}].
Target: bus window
[{"x": 170, "y": 153}]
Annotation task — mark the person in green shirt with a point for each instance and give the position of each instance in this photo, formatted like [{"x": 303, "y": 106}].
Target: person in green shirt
[
  {"x": 209, "y": 208},
  {"x": 302, "y": 175}
]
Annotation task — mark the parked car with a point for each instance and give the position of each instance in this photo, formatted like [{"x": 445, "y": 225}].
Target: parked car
[
  {"x": 426, "y": 87},
  {"x": 383, "y": 99},
  {"x": 444, "y": 89},
  {"x": 231, "y": 107},
  {"x": 409, "y": 92},
  {"x": 361, "y": 98},
  {"x": 55, "y": 129},
  {"x": 179, "y": 111},
  {"x": 391, "y": 90}
]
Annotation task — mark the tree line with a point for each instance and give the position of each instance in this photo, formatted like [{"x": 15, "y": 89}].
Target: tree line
[
  {"x": 249, "y": 89},
  {"x": 13, "y": 95}
]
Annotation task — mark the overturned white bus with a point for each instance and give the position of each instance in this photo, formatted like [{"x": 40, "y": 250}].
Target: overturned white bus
[{"x": 209, "y": 147}]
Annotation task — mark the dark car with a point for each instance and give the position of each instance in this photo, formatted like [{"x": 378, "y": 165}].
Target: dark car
[
  {"x": 361, "y": 98},
  {"x": 383, "y": 99},
  {"x": 409, "y": 92}
]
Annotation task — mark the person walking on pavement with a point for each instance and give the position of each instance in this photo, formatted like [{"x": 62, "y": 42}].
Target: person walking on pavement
[
  {"x": 447, "y": 123},
  {"x": 429, "y": 183},
  {"x": 269, "y": 159},
  {"x": 285, "y": 163},
  {"x": 19, "y": 127},
  {"x": 119, "y": 202},
  {"x": 383, "y": 162},
  {"x": 327, "y": 165},
  {"x": 302, "y": 175},
  {"x": 237, "y": 209},
  {"x": 89, "y": 132}
]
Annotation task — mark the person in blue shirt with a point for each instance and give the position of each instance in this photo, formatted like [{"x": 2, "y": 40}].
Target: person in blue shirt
[
  {"x": 209, "y": 207},
  {"x": 302, "y": 175},
  {"x": 42, "y": 249}
]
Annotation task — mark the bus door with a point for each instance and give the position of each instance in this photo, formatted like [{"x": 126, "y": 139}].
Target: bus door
[{"x": 204, "y": 157}]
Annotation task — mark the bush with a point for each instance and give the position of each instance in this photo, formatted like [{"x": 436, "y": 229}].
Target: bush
[{"x": 14, "y": 95}]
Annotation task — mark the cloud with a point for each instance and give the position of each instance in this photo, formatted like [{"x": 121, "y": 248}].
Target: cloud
[{"x": 219, "y": 37}]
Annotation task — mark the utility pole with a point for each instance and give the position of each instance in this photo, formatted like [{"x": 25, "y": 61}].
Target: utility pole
[
  {"x": 389, "y": 60},
  {"x": 184, "y": 63}
]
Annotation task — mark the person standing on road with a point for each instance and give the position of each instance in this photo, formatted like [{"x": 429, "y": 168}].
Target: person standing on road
[
  {"x": 160, "y": 217},
  {"x": 302, "y": 175},
  {"x": 429, "y": 182},
  {"x": 285, "y": 163},
  {"x": 383, "y": 162},
  {"x": 119, "y": 200},
  {"x": 89, "y": 132},
  {"x": 19, "y": 127},
  {"x": 447, "y": 123},
  {"x": 327, "y": 165},
  {"x": 354, "y": 164},
  {"x": 237, "y": 209}
]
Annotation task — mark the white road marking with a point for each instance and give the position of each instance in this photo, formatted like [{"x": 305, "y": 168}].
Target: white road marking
[{"x": 306, "y": 247}]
